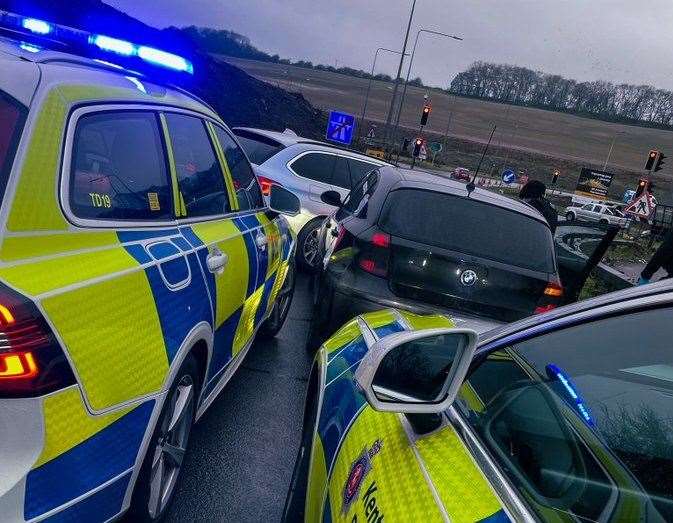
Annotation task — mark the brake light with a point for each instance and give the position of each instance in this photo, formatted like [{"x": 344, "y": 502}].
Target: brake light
[
  {"x": 381, "y": 239},
  {"x": 31, "y": 360},
  {"x": 541, "y": 309},
  {"x": 554, "y": 289},
  {"x": 266, "y": 184},
  {"x": 551, "y": 297}
]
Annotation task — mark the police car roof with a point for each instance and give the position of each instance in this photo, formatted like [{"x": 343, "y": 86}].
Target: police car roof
[{"x": 67, "y": 68}]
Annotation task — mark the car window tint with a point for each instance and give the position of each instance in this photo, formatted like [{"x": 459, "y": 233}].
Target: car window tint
[
  {"x": 12, "y": 116},
  {"x": 341, "y": 175},
  {"x": 245, "y": 182},
  {"x": 118, "y": 168},
  {"x": 456, "y": 223},
  {"x": 200, "y": 179},
  {"x": 588, "y": 207},
  {"x": 356, "y": 201},
  {"x": 258, "y": 148},
  {"x": 315, "y": 166},
  {"x": 360, "y": 169},
  {"x": 580, "y": 417}
]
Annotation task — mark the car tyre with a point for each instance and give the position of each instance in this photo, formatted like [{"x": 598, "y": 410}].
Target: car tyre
[
  {"x": 160, "y": 471},
  {"x": 603, "y": 221},
  {"x": 570, "y": 216},
  {"x": 308, "y": 246},
  {"x": 281, "y": 308}
]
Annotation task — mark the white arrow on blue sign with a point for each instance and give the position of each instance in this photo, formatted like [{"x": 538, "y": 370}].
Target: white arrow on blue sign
[
  {"x": 340, "y": 127},
  {"x": 509, "y": 176}
]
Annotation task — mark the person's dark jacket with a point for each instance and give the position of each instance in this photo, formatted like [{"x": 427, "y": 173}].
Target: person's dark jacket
[
  {"x": 662, "y": 259},
  {"x": 546, "y": 209}
]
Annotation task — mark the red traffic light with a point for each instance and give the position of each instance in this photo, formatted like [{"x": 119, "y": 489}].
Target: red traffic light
[{"x": 426, "y": 113}]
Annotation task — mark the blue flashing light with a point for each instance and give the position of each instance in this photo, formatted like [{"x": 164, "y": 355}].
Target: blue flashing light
[
  {"x": 30, "y": 47},
  {"x": 555, "y": 372},
  {"x": 36, "y": 26},
  {"x": 113, "y": 45},
  {"x": 164, "y": 59}
]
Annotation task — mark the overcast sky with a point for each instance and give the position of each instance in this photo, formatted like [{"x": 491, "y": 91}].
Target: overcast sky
[{"x": 617, "y": 40}]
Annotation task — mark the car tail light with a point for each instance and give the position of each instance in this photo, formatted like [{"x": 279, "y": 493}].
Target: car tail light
[
  {"x": 374, "y": 255},
  {"x": 551, "y": 297},
  {"x": 31, "y": 361},
  {"x": 266, "y": 184}
]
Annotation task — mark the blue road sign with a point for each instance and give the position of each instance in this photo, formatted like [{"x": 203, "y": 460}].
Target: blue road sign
[
  {"x": 340, "y": 127},
  {"x": 508, "y": 176}
]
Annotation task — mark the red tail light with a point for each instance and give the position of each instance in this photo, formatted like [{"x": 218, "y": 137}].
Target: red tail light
[
  {"x": 266, "y": 184},
  {"x": 551, "y": 297},
  {"x": 31, "y": 361},
  {"x": 374, "y": 256}
]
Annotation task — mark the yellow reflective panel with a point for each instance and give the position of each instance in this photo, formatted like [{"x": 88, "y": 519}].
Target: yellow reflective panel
[
  {"x": 432, "y": 321},
  {"x": 391, "y": 486},
  {"x": 67, "y": 423},
  {"x": 277, "y": 284},
  {"x": 246, "y": 324},
  {"x": 379, "y": 318},
  {"x": 343, "y": 336},
  {"x": 317, "y": 480},
  {"x": 112, "y": 333},
  {"x": 463, "y": 489},
  {"x": 55, "y": 273},
  {"x": 24, "y": 247},
  {"x": 232, "y": 284}
]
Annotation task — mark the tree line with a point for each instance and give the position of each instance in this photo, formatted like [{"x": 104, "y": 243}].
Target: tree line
[{"x": 604, "y": 100}]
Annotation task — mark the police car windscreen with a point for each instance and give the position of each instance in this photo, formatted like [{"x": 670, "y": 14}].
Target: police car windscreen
[
  {"x": 470, "y": 227},
  {"x": 11, "y": 116}
]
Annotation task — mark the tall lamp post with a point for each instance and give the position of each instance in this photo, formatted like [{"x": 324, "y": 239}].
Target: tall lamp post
[
  {"x": 403, "y": 53},
  {"x": 411, "y": 63},
  {"x": 369, "y": 86}
]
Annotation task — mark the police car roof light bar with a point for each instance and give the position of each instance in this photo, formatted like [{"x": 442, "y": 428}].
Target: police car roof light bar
[{"x": 65, "y": 35}]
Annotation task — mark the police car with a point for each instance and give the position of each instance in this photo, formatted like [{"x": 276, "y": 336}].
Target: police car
[
  {"x": 137, "y": 262},
  {"x": 561, "y": 417}
]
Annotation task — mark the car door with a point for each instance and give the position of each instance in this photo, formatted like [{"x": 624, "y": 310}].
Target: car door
[
  {"x": 206, "y": 208},
  {"x": 580, "y": 435}
]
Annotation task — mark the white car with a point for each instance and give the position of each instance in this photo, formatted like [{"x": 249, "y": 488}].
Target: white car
[
  {"x": 308, "y": 168},
  {"x": 597, "y": 212}
]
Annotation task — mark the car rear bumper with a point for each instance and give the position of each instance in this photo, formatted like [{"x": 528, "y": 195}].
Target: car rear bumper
[{"x": 356, "y": 294}]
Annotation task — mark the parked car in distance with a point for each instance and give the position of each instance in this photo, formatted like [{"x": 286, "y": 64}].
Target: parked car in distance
[
  {"x": 308, "y": 168},
  {"x": 597, "y": 212},
  {"x": 559, "y": 417},
  {"x": 461, "y": 174},
  {"x": 420, "y": 242}
]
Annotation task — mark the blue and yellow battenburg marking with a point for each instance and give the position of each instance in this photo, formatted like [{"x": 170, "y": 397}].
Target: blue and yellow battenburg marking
[{"x": 392, "y": 485}]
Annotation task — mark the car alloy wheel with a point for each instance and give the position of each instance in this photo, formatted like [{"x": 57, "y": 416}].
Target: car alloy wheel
[
  {"x": 171, "y": 445},
  {"x": 311, "y": 249}
]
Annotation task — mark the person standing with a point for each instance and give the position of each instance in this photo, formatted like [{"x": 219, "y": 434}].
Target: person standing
[{"x": 533, "y": 193}]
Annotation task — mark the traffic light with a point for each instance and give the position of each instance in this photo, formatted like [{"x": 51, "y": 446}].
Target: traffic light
[
  {"x": 418, "y": 143},
  {"x": 425, "y": 114},
  {"x": 659, "y": 162},
  {"x": 407, "y": 143},
  {"x": 651, "y": 158},
  {"x": 642, "y": 185},
  {"x": 555, "y": 177}
]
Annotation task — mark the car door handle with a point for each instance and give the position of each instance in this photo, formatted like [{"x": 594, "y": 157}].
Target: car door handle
[
  {"x": 261, "y": 241},
  {"x": 217, "y": 261}
]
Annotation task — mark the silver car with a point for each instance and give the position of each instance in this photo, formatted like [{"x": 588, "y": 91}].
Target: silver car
[
  {"x": 308, "y": 168},
  {"x": 597, "y": 212}
]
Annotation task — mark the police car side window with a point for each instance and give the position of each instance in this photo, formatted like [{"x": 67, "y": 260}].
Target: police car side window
[
  {"x": 200, "y": 179},
  {"x": 247, "y": 189},
  {"x": 118, "y": 168}
]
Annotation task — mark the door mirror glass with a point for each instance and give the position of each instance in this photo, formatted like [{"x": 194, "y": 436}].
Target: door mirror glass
[
  {"x": 331, "y": 198},
  {"x": 283, "y": 201},
  {"x": 416, "y": 371}
]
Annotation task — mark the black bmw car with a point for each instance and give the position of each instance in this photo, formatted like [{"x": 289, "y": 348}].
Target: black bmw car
[{"x": 422, "y": 242}]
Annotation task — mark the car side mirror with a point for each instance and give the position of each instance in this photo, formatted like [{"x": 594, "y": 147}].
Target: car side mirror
[
  {"x": 416, "y": 372},
  {"x": 332, "y": 198},
  {"x": 283, "y": 201}
]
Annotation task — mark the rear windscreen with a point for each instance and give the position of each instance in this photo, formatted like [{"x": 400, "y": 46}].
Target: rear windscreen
[
  {"x": 11, "y": 121},
  {"x": 469, "y": 226},
  {"x": 258, "y": 148}
]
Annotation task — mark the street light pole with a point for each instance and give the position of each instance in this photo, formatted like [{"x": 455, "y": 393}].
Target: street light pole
[
  {"x": 411, "y": 63},
  {"x": 369, "y": 87},
  {"x": 612, "y": 146},
  {"x": 399, "y": 72}
]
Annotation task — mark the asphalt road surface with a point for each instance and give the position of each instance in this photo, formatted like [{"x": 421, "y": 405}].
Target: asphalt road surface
[{"x": 242, "y": 451}]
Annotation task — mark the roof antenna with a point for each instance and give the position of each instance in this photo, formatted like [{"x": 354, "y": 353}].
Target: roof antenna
[{"x": 471, "y": 186}]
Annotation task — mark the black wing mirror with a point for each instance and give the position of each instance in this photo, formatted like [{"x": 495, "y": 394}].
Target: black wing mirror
[{"x": 332, "y": 198}]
